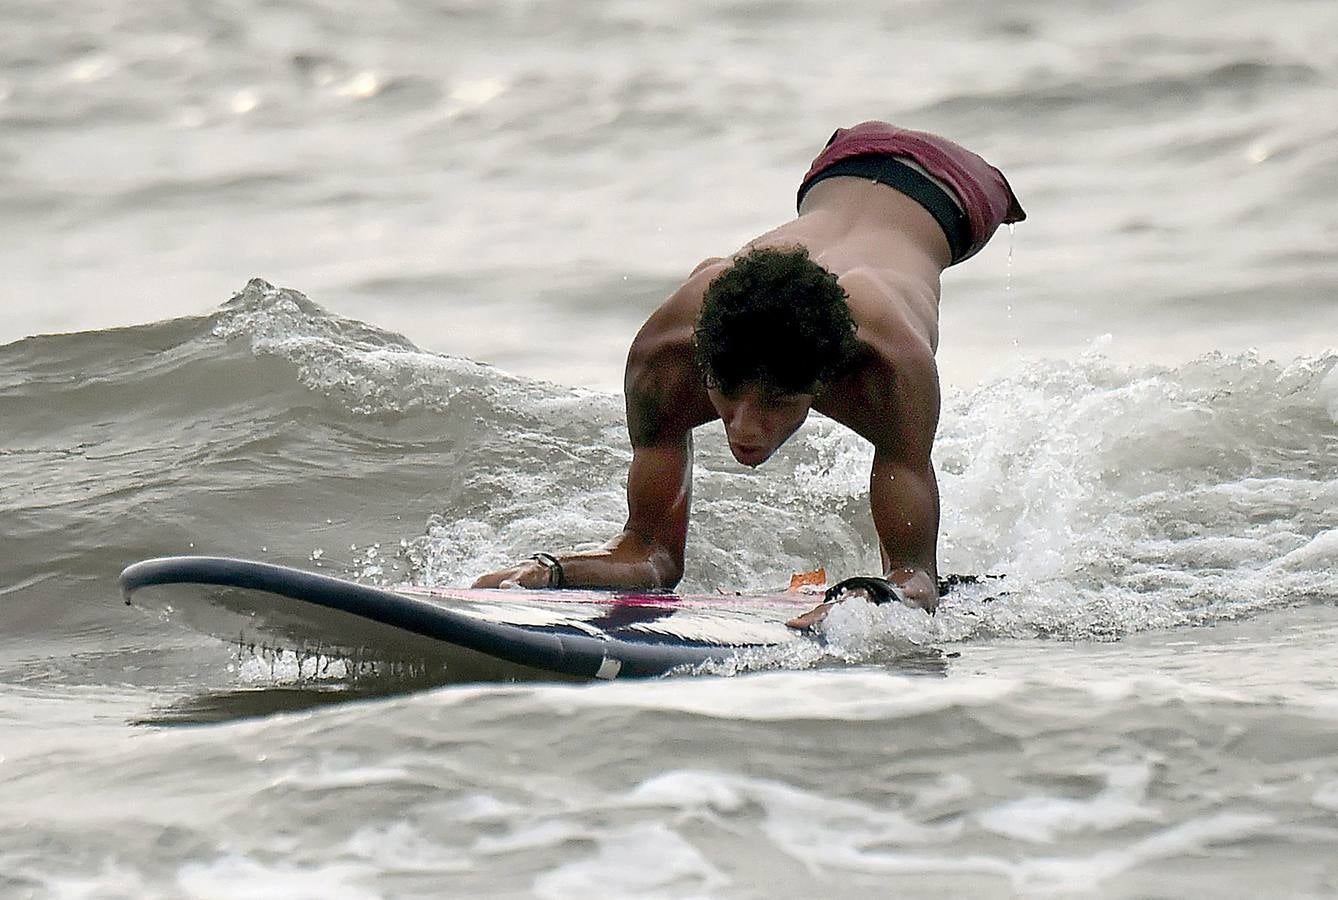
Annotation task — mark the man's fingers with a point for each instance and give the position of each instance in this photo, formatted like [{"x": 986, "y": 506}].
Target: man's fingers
[
  {"x": 530, "y": 575},
  {"x": 501, "y": 579},
  {"x": 808, "y": 620}
]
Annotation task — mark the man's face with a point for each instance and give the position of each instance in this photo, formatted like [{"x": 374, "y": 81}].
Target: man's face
[{"x": 758, "y": 420}]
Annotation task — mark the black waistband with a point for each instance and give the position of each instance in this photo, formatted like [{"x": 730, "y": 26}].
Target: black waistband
[{"x": 895, "y": 174}]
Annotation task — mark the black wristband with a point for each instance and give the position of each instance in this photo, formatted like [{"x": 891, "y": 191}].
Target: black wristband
[
  {"x": 880, "y": 590},
  {"x": 556, "y": 577}
]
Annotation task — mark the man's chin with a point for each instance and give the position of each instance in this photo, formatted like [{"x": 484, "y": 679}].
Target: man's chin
[{"x": 752, "y": 458}]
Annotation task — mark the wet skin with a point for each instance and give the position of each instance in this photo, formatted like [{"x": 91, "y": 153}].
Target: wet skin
[
  {"x": 888, "y": 254},
  {"x": 757, "y": 421}
]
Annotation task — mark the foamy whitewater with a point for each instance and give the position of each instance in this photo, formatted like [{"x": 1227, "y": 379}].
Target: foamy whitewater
[{"x": 349, "y": 288}]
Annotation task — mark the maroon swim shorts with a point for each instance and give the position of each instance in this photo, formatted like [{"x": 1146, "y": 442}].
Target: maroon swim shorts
[{"x": 981, "y": 199}]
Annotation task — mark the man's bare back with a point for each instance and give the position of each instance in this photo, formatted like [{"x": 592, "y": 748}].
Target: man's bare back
[{"x": 850, "y": 331}]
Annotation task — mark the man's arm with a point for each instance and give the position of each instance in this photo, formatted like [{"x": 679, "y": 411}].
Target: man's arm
[
  {"x": 648, "y": 552},
  {"x": 894, "y": 404},
  {"x": 904, "y": 502},
  {"x": 665, "y": 401},
  {"x": 903, "y": 497},
  {"x": 903, "y": 490}
]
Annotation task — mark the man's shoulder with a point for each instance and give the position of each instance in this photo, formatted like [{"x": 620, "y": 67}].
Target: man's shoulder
[
  {"x": 686, "y": 300},
  {"x": 658, "y": 351},
  {"x": 712, "y": 265},
  {"x": 896, "y": 315},
  {"x": 665, "y": 393},
  {"x": 660, "y": 361},
  {"x": 666, "y": 336},
  {"x": 662, "y": 387},
  {"x": 890, "y": 393}
]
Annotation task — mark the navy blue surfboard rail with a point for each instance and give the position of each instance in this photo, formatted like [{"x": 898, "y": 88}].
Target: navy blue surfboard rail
[{"x": 568, "y": 653}]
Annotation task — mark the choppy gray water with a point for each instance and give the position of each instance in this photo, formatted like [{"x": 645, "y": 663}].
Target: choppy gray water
[{"x": 481, "y": 202}]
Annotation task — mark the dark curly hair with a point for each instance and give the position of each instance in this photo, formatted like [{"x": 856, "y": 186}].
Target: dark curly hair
[{"x": 775, "y": 318}]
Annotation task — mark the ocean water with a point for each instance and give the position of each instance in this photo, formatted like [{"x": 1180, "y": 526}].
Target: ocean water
[{"x": 349, "y": 288}]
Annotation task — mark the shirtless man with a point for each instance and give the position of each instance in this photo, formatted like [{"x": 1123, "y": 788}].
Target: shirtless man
[{"x": 835, "y": 311}]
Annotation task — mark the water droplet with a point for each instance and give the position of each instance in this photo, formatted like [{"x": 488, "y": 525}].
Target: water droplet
[
  {"x": 93, "y": 68},
  {"x": 244, "y": 102},
  {"x": 1259, "y": 152},
  {"x": 478, "y": 92},
  {"x": 361, "y": 86}
]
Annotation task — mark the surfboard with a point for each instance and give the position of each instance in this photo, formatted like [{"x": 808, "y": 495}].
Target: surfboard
[
  {"x": 463, "y": 634},
  {"x": 445, "y": 634}
]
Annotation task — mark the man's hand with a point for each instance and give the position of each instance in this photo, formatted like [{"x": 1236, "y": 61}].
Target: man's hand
[
  {"x": 918, "y": 592},
  {"x": 529, "y": 574},
  {"x": 628, "y": 562},
  {"x": 811, "y": 619}
]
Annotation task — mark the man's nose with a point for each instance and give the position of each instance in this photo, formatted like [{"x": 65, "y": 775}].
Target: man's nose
[{"x": 744, "y": 425}]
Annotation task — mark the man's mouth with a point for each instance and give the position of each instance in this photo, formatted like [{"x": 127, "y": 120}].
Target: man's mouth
[{"x": 749, "y": 455}]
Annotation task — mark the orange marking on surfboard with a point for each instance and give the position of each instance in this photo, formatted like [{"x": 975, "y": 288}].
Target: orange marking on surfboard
[{"x": 799, "y": 580}]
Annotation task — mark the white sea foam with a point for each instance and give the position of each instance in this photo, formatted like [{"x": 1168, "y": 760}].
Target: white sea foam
[
  {"x": 1138, "y": 486},
  {"x": 371, "y": 371},
  {"x": 640, "y": 860},
  {"x": 1087, "y": 873},
  {"x": 1042, "y": 819},
  {"x": 111, "y": 879},
  {"x": 1329, "y": 393},
  {"x": 828, "y": 834},
  {"x": 533, "y": 836},
  {"x": 1059, "y": 875},
  {"x": 1327, "y": 796},
  {"x": 405, "y": 848},
  {"x": 241, "y": 876},
  {"x": 810, "y": 824},
  {"x": 780, "y": 696},
  {"x": 1043, "y": 476},
  {"x": 326, "y": 772},
  {"x": 1317, "y": 554},
  {"x": 293, "y": 666}
]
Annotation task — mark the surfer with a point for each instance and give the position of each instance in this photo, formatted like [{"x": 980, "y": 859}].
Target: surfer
[{"x": 835, "y": 311}]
